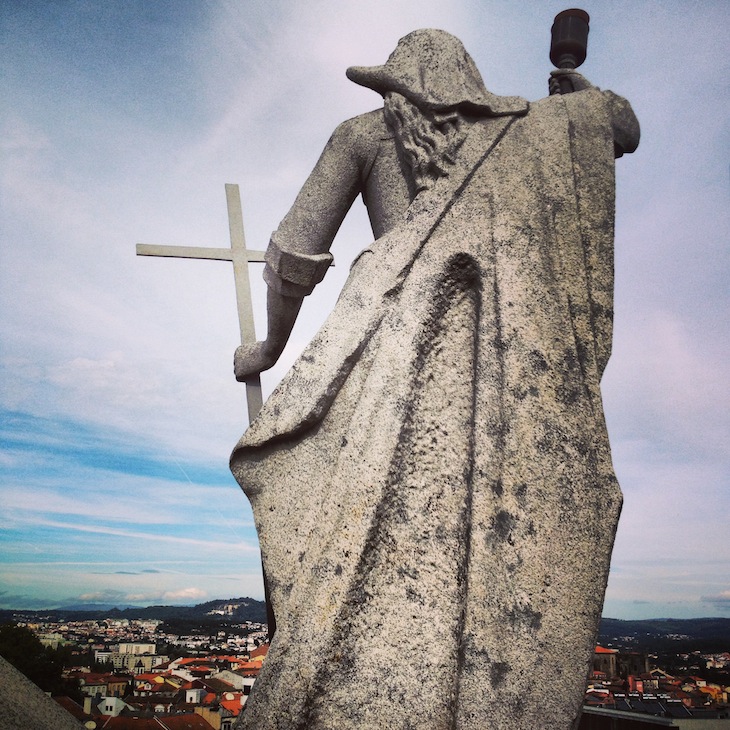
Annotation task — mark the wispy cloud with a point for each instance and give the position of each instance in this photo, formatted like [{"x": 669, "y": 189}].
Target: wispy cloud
[
  {"x": 189, "y": 543},
  {"x": 24, "y": 499}
]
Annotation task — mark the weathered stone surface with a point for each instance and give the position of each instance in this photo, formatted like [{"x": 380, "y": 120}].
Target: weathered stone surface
[
  {"x": 24, "y": 705},
  {"x": 432, "y": 481}
]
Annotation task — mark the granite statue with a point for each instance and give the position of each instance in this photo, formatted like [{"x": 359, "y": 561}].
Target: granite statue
[{"x": 432, "y": 481}]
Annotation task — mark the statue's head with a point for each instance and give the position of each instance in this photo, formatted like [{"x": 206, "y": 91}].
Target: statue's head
[
  {"x": 433, "y": 91},
  {"x": 432, "y": 69}
]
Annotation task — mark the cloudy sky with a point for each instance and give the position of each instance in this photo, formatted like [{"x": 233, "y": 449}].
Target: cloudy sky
[{"x": 121, "y": 123}]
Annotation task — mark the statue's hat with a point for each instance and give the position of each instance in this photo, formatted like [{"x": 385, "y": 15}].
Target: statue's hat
[{"x": 432, "y": 69}]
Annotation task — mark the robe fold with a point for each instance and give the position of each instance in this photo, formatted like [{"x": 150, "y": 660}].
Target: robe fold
[{"x": 432, "y": 481}]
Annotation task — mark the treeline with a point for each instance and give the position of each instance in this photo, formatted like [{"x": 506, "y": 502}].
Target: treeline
[
  {"x": 207, "y": 626},
  {"x": 20, "y": 647}
]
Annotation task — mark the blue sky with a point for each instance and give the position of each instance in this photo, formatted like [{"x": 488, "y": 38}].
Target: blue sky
[{"x": 121, "y": 122}]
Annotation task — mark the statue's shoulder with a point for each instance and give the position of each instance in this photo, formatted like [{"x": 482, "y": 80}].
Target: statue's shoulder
[
  {"x": 598, "y": 105},
  {"x": 626, "y": 129},
  {"x": 364, "y": 128},
  {"x": 360, "y": 137},
  {"x": 593, "y": 97},
  {"x": 586, "y": 97}
]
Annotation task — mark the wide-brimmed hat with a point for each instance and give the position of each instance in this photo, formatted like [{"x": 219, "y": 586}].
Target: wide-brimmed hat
[{"x": 432, "y": 69}]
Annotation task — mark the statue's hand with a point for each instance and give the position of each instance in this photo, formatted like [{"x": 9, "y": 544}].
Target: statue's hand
[
  {"x": 252, "y": 359},
  {"x": 566, "y": 80}
]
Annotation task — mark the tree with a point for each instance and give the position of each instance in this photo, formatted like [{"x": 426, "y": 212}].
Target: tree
[{"x": 21, "y": 648}]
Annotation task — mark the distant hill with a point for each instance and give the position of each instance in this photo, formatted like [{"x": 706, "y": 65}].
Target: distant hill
[
  {"x": 649, "y": 635},
  {"x": 86, "y": 607},
  {"x": 225, "y": 610},
  {"x": 708, "y": 635}
]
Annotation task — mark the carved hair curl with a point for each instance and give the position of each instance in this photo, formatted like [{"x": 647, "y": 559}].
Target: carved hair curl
[{"x": 427, "y": 139}]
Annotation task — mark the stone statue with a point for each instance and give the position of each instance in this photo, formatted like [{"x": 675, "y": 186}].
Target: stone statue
[{"x": 432, "y": 482}]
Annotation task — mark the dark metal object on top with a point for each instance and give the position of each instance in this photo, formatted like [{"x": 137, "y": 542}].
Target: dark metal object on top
[{"x": 569, "y": 42}]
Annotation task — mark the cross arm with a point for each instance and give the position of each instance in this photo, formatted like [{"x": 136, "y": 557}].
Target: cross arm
[{"x": 195, "y": 252}]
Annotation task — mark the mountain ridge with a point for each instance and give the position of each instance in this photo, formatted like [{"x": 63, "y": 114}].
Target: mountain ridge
[
  {"x": 242, "y": 609},
  {"x": 707, "y": 633}
]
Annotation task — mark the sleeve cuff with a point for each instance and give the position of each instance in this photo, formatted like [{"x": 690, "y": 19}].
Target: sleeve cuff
[{"x": 291, "y": 273}]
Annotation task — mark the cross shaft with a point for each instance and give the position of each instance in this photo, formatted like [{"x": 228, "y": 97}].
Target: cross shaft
[{"x": 240, "y": 256}]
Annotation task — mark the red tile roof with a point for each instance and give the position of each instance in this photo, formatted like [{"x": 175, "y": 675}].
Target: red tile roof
[
  {"x": 602, "y": 650},
  {"x": 233, "y": 706},
  {"x": 218, "y": 658},
  {"x": 262, "y": 650},
  {"x": 196, "y": 660},
  {"x": 89, "y": 678},
  {"x": 148, "y": 677}
]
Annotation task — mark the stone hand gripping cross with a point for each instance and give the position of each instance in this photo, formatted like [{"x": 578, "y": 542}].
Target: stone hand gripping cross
[{"x": 240, "y": 256}]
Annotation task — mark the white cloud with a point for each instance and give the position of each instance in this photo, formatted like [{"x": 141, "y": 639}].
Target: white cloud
[
  {"x": 106, "y": 595},
  {"x": 189, "y": 594},
  {"x": 184, "y": 594}
]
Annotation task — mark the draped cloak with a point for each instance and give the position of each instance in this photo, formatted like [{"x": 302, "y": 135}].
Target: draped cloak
[{"x": 432, "y": 482}]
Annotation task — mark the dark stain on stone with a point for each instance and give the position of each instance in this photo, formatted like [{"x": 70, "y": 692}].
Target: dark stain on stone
[
  {"x": 499, "y": 432},
  {"x": 499, "y": 343},
  {"x": 570, "y": 363},
  {"x": 553, "y": 439},
  {"x": 502, "y": 525},
  {"x": 471, "y": 655},
  {"x": 538, "y": 362},
  {"x": 407, "y": 572},
  {"x": 525, "y": 617},
  {"x": 570, "y": 395},
  {"x": 522, "y": 393},
  {"x": 498, "y": 673}
]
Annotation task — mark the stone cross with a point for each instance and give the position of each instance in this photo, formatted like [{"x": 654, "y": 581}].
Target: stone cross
[{"x": 240, "y": 256}]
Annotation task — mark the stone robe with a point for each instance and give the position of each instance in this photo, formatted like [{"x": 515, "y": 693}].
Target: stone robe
[{"x": 432, "y": 482}]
